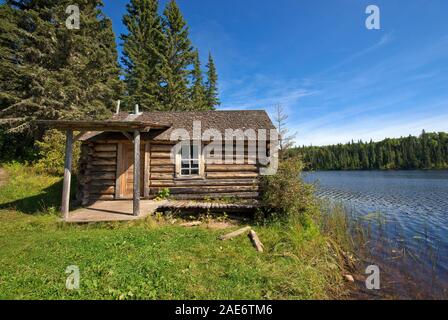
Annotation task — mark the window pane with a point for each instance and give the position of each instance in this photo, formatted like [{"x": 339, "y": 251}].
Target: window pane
[
  {"x": 185, "y": 152},
  {"x": 189, "y": 160}
]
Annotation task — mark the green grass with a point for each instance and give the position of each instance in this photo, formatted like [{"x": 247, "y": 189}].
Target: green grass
[{"x": 153, "y": 259}]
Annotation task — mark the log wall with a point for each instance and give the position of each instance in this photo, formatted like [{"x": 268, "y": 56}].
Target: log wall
[
  {"x": 219, "y": 180},
  {"x": 98, "y": 175}
]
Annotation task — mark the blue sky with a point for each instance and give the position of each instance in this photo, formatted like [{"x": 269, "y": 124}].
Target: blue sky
[{"x": 337, "y": 80}]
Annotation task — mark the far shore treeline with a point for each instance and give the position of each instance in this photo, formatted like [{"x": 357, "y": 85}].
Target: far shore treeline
[
  {"x": 49, "y": 71},
  {"x": 427, "y": 151}
]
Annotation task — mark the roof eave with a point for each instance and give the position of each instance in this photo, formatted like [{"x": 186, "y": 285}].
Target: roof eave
[{"x": 109, "y": 126}]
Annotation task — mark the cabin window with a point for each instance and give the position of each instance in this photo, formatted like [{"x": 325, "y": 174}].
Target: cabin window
[{"x": 189, "y": 163}]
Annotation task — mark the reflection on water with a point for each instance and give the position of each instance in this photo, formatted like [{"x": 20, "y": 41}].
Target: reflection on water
[{"x": 413, "y": 206}]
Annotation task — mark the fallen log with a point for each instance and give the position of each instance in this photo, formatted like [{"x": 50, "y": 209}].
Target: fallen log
[
  {"x": 256, "y": 241},
  {"x": 191, "y": 224},
  {"x": 234, "y": 234}
]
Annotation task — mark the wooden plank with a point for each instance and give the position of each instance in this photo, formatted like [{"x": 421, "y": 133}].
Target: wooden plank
[
  {"x": 161, "y": 162},
  {"x": 235, "y": 234},
  {"x": 105, "y": 154},
  {"x": 65, "y": 207},
  {"x": 202, "y": 182},
  {"x": 161, "y": 183},
  {"x": 163, "y": 169},
  {"x": 97, "y": 182},
  {"x": 227, "y": 168},
  {"x": 239, "y": 195},
  {"x": 103, "y": 176},
  {"x": 161, "y": 176},
  {"x": 256, "y": 241},
  {"x": 105, "y": 147},
  {"x": 229, "y": 175},
  {"x": 92, "y": 168},
  {"x": 160, "y": 155},
  {"x": 161, "y": 147},
  {"x": 104, "y": 162},
  {"x": 207, "y": 190}
]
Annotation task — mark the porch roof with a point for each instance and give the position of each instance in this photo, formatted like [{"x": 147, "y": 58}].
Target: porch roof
[{"x": 106, "y": 125}]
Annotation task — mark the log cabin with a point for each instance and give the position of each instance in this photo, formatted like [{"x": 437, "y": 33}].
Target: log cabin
[{"x": 196, "y": 155}]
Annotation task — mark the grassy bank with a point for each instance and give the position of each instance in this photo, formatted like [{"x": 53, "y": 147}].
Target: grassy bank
[{"x": 156, "y": 259}]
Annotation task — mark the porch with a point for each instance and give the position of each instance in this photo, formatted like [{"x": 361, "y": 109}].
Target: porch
[{"x": 122, "y": 210}]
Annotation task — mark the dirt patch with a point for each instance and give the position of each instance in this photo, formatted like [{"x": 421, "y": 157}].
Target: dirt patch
[{"x": 3, "y": 177}]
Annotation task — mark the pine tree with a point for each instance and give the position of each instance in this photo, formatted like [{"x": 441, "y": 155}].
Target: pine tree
[
  {"x": 142, "y": 59},
  {"x": 56, "y": 72},
  {"x": 197, "y": 90},
  {"x": 177, "y": 57},
  {"x": 212, "y": 84},
  {"x": 428, "y": 151}
]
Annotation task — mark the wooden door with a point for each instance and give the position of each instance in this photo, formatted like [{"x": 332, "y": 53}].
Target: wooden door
[{"x": 127, "y": 171}]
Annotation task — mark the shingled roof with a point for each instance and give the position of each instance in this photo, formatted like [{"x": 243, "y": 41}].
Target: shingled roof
[{"x": 218, "y": 120}]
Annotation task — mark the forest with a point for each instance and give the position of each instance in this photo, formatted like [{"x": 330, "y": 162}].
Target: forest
[
  {"x": 427, "y": 151},
  {"x": 48, "y": 71}
]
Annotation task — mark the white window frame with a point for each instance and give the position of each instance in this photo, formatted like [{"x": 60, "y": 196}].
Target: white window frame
[{"x": 190, "y": 159}]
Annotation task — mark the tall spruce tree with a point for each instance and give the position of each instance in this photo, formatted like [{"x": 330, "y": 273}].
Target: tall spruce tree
[
  {"x": 51, "y": 72},
  {"x": 162, "y": 69},
  {"x": 197, "y": 90},
  {"x": 212, "y": 84},
  {"x": 142, "y": 50},
  {"x": 178, "y": 56}
]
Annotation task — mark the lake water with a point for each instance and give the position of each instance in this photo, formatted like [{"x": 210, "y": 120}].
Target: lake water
[{"x": 407, "y": 215}]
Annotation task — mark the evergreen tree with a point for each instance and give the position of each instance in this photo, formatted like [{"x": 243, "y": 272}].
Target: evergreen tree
[
  {"x": 429, "y": 151},
  {"x": 142, "y": 55},
  {"x": 162, "y": 69},
  {"x": 197, "y": 91},
  {"x": 212, "y": 84},
  {"x": 55, "y": 72},
  {"x": 178, "y": 55}
]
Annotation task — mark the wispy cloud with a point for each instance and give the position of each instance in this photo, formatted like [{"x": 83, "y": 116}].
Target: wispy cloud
[
  {"x": 359, "y": 97},
  {"x": 262, "y": 92}
]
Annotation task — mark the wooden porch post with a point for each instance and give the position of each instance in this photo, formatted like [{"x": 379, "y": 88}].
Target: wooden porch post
[
  {"x": 65, "y": 207},
  {"x": 136, "y": 197}
]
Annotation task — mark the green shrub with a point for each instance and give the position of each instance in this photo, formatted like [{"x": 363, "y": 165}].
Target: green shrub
[
  {"x": 163, "y": 194},
  {"x": 285, "y": 194},
  {"x": 51, "y": 152}
]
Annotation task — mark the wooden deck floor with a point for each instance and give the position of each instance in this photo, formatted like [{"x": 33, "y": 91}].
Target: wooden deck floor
[{"x": 121, "y": 210}]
